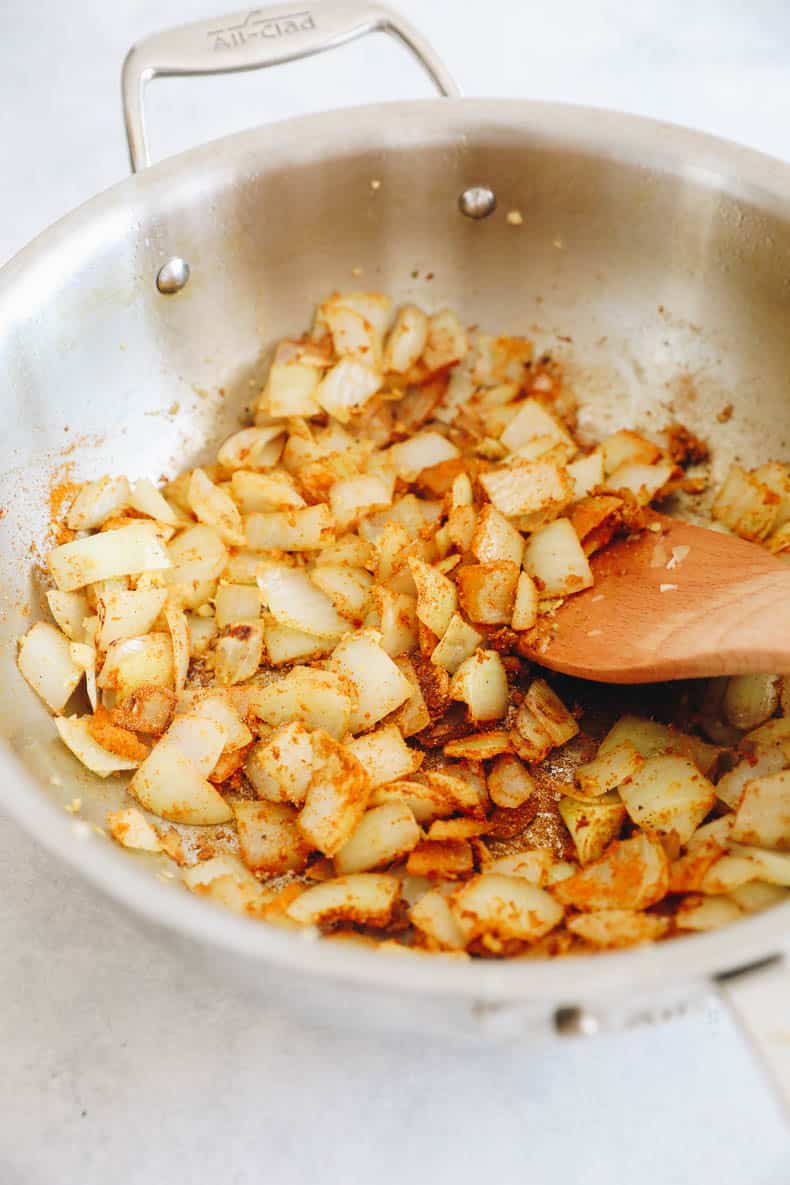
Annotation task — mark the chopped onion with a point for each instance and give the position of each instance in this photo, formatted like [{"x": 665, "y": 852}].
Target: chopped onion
[
  {"x": 46, "y": 662},
  {"x": 127, "y": 614},
  {"x": 97, "y": 501},
  {"x": 212, "y": 506},
  {"x": 75, "y": 734},
  {"x": 292, "y": 599},
  {"x": 365, "y": 898},
  {"x": 127, "y": 550},
  {"x": 69, "y": 610}
]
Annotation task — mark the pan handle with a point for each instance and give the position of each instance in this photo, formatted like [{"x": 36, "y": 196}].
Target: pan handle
[
  {"x": 257, "y": 37},
  {"x": 758, "y": 996}
]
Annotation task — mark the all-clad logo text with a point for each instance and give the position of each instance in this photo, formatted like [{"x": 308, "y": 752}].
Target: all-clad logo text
[{"x": 256, "y": 26}]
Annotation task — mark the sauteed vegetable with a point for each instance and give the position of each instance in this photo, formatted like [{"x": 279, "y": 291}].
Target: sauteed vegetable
[{"x": 308, "y": 656}]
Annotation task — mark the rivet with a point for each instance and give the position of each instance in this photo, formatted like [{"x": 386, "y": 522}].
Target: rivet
[
  {"x": 172, "y": 276},
  {"x": 571, "y": 1021},
  {"x": 478, "y": 201}
]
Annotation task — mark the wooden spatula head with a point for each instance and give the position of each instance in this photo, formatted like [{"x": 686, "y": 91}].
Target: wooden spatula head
[{"x": 678, "y": 602}]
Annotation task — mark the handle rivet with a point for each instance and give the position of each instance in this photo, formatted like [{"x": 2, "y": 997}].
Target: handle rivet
[
  {"x": 478, "y": 201},
  {"x": 571, "y": 1021},
  {"x": 172, "y": 276}
]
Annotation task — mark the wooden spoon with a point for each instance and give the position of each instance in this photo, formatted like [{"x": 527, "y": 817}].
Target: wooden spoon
[{"x": 682, "y": 603}]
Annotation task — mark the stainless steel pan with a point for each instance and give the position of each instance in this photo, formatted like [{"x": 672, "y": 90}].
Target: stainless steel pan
[{"x": 656, "y": 261}]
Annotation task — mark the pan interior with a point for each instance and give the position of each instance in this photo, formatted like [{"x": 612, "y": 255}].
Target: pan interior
[{"x": 655, "y": 263}]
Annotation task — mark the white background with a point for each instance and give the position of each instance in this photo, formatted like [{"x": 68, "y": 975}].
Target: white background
[{"x": 116, "y": 1065}]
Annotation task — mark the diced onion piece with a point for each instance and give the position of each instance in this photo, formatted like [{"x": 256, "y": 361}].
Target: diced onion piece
[
  {"x": 500, "y": 359},
  {"x": 75, "y": 733},
  {"x": 643, "y": 481},
  {"x": 592, "y": 825},
  {"x": 170, "y": 785},
  {"x": 398, "y": 621},
  {"x": 381, "y": 687},
  {"x": 347, "y": 588},
  {"x": 365, "y": 898},
  {"x": 424, "y": 803},
  {"x": 618, "y": 927},
  {"x": 509, "y": 782},
  {"x": 649, "y": 738},
  {"x": 226, "y": 881},
  {"x": 608, "y": 770},
  {"x": 337, "y": 795},
  {"x": 136, "y": 662},
  {"x": 385, "y": 756},
  {"x": 495, "y": 538},
  {"x": 235, "y": 603},
  {"x": 525, "y": 606},
  {"x": 252, "y": 448},
  {"x": 202, "y": 631},
  {"x": 357, "y": 322},
  {"x": 626, "y": 447},
  {"x": 281, "y": 767},
  {"x": 528, "y": 488},
  {"x": 727, "y": 873},
  {"x": 434, "y": 918},
  {"x": 125, "y": 613},
  {"x": 384, "y": 834},
  {"x": 487, "y": 591},
  {"x": 198, "y": 557},
  {"x": 346, "y": 388},
  {"x": 776, "y": 476},
  {"x": 198, "y": 736},
  {"x": 46, "y": 662},
  {"x": 445, "y": 860},
  {"x": 238, "y": 652},
  {"x": 750, "y": 700},
  {"x": 506, "y": 907},
  {"x": 534, "y": 431},
  {"x": 550, "y": 711},
  {"x": 586, "y": 474},
  {"x": 284, "y": 644},
  {"x": 452, "y": 792},
  {"x": 706, "y": 913},
  {"x": 291, "y": 390},
  {"x": 447, "y": 340},
  {"x": 772, "y": 867},
  {"x": 353, "y": 497},
  {"x": 422, "y": 451},
  {"x": 269, "y": 837},
  {"x": 458, "y": 642},
  {"x": 555, "y": 560},
  {"x": 127, "y": 550},
  {"x": 762, "y": 817},
  {"x": 481, "y": 683},
  {"x": 668, "y": 794},
  {"x": 303, "y": 529},
  {"x": 148, "y": 500},
  {"x": 436, "y": 596},
  {"x": 632, "y": 874},
  {"x": 754, "y": 896},
  {"x": 767, "y": 736},
  {"x": 533, "y": 867},
  {"x": 293, "y": 599},
  {"x": 149, "y": 710},
  {"x": 320, "y": 699},
  {"x": 265, "y": 491},
  {"x": 179, "y": 637},
  {"x": 131, "y": 829},
  {"x": 97, "y": 501},
  {"x": 212, "y": 506},
  {"x": 85, "y": 657},
  {"x": 530, "y": 739},
  {"x": 349, "y": 551},
  {"x": 480, "y": 746},
  {"x": 413, "y": 714},
  {"x": 69, "y": 610},
  {"x": 745, "y": 505},
  {"x": 406, "y": 340},
  {"x": 730, "y": 788}
]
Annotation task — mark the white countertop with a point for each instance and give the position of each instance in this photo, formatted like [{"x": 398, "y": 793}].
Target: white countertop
[{"x": 117, "y": 1067}]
